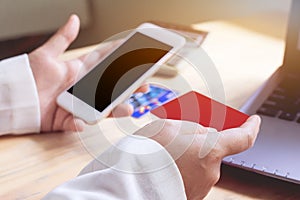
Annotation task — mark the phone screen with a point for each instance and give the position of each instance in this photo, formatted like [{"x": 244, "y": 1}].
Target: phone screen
[
  {"x": 145, "y": 102},
  {"x": 110, "y": 78}
]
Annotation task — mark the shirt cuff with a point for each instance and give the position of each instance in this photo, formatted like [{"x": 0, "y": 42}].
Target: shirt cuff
[
  {"x": 19, "y": 101},
  {"x": 142, "y": 157}
]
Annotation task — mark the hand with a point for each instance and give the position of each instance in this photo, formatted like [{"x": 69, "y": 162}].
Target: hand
[
  {"x": 53, "y": 76},
  {"x": 198, "y": 152}
]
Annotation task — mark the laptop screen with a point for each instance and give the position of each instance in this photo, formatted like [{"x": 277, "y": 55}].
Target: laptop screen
[{"x": 292, "y": 52}]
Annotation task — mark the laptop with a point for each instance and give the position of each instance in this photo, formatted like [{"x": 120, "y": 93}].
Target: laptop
[{"x": 277, "y": 149}]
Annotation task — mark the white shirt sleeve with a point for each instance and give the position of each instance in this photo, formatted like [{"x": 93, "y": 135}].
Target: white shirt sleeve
[
  {"x": 135, "y": 168},
  {"x": 19, "y": 102}
]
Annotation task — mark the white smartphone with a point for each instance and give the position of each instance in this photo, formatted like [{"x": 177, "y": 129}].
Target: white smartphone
[{"x": 120, "y": 73}]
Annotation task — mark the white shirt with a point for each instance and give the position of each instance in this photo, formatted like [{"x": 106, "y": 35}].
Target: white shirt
[
  {"x": 134, "y": 168},
  {"x": 19, "y": 103}
]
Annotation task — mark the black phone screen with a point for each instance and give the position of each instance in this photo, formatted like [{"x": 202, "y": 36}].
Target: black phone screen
[{"x": 110, "y": 78}]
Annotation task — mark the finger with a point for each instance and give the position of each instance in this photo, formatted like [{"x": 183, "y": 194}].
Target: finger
[
  {"x": 126, "y": 109},
  {"x": 210, "y": 142},
  {"x": 59, "y": 118},
  {"x": 73, "y": 124},
  {"x": 189, "y": 128},
  {"x": 236, "y": 140},
  {"x": 78, "y": 67},
  {"x": 79, "y": 124},
  {"x": 122, "y": 110},
  {"x": 93, "y": 58},
  {"x": 62, "y": 39},
  {"x": 177, "y": 127},
  {"x": 169, "y": 133},
  {"x": 143, "y": 89}
]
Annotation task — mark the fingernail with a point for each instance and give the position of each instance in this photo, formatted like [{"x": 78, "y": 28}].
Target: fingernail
[{"x": 79, "y": 125}]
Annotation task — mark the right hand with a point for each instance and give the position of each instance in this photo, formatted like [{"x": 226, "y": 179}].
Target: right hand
[{"x": 198, "y": 152}]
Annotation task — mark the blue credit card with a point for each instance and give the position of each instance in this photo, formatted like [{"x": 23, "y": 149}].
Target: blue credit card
[{"x": 145, "y": 102}]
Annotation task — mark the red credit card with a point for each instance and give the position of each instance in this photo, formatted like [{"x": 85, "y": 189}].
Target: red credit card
[{"x": 196, "y": 107}]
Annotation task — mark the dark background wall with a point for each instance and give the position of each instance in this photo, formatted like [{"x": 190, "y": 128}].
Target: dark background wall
[{"x": 29, "y": 23}]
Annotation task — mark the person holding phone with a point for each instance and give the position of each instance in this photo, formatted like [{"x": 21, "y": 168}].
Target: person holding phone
[
  {"x": 32, "y": 82},
  {"x": 29, "y": 86}
]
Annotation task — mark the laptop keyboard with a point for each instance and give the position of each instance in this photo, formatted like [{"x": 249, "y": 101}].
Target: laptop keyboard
[{"x": 284, "y": 102}]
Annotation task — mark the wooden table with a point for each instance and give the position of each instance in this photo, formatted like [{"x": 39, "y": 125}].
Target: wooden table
[{"x": 32, "y": 165}]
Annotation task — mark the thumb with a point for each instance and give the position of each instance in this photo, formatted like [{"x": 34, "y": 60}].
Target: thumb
[
  {"x": 62, "y": 39},
  {"x": 239, "y": 139},
  {"x": 122, "y": 110}
]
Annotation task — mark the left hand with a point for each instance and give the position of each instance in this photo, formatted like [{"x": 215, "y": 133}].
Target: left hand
[{"x": 53, "y": 76}]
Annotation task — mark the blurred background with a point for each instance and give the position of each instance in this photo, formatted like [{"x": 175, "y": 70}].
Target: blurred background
[{"x": 27, "y": 24}]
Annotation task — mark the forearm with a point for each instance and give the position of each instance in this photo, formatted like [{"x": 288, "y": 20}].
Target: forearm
[{"x": 134, "y": 168}]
